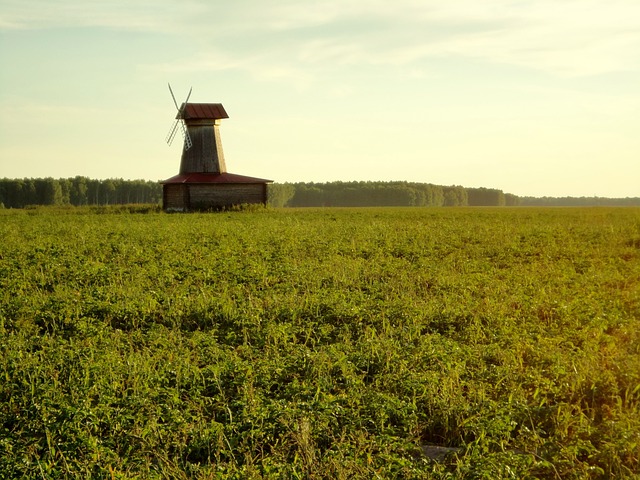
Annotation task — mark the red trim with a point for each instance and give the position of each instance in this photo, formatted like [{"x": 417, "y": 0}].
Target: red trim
[{"x": 213, "y": 178}]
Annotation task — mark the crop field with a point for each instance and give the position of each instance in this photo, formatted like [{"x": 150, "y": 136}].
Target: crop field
[{"x": 320, "y": 343}]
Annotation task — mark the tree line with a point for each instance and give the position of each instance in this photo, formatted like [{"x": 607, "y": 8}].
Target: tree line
[
  {"x": 20, "y": 193},
  {"x": 372, "y": 194},
  {"x": 579, "y": 202},
  {"x": 381, "y": 194}
]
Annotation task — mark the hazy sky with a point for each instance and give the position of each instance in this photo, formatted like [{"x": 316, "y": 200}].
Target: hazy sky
[{"x": 537, "y": 97}]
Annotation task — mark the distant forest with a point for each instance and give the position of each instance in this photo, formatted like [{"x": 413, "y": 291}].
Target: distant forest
[
  {"x": 21, "y": 193},
  {"x": 366, "y": 194}
]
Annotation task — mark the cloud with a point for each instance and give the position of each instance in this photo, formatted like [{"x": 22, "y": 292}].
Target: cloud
[
  {"x": 568, "y": 38},
  {"x": 261, "y": 66},
  {"x": 288, "y": 38},
  {"x": 564, "y": 38},
  {"x": 143, "y": 15},
  {"x": 16, "y": 109}
]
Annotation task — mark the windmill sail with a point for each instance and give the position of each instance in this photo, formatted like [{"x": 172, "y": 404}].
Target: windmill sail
[
  {"x": 174, "y": 97},
  {"x": 180, "y": 121},
  {"x": 187, "y": 137},
  {"x": 172, "y": 133}
]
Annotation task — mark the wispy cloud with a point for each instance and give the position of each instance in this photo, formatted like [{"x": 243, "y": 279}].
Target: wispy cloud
[
  {"x": 287, "y": 38},
  {"x": 572, "y": 37},
  {"x": 142, "y": 15},
  {"x": 568, "y": 38}
]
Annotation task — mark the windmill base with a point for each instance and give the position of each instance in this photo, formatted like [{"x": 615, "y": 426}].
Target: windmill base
[{"x": 211, "y": 196}]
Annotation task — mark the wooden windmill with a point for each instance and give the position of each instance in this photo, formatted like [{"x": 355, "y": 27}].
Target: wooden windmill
[{"x": 203, "y": 182}]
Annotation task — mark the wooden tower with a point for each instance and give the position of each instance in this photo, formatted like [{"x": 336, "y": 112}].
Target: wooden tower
[{"x": 203, "y": 182}]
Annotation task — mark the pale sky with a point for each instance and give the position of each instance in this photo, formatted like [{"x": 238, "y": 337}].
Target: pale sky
[{"x": 534, "y": 97}]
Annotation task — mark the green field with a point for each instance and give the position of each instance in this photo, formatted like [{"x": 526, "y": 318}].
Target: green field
[{"x": 323, "y": 343}]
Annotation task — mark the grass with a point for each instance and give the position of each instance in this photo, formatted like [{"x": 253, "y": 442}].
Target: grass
[{"x": 320, "y": 343}]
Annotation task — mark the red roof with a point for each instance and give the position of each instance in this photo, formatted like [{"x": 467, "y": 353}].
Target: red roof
[
  {"x": 197, "y": 111},
  {"x": 214, "y": 178}
]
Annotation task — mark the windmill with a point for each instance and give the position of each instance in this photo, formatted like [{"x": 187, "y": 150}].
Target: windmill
[
  {"x": 179, "y": 122},
  {"x": 203, "y": 182}
]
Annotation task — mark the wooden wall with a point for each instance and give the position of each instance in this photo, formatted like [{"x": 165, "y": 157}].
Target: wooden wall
[
  {"x": 225, "y": 194},
  {"x": 211, "y": 196},
  {"x": 175, "y": 197},
  {"x": 206, "y": 154}
]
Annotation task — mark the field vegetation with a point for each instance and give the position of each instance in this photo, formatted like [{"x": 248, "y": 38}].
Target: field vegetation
[{"x": 320, "y": 343}]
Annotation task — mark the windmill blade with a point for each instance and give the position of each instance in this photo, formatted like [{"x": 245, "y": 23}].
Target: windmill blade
[
  {"x": 172, "y": 133},
  {"x": 184, "y": 105},
  {"x": 187, "y": 137},
  {"x": 174, "y": 97},
  {"x": 187, "y": 100},
  {"x": 180, "y": 121},
  {"x": 185, "y": 131}
]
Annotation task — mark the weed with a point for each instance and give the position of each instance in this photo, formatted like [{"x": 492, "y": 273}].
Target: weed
[{"x": 320, "y": 343}]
